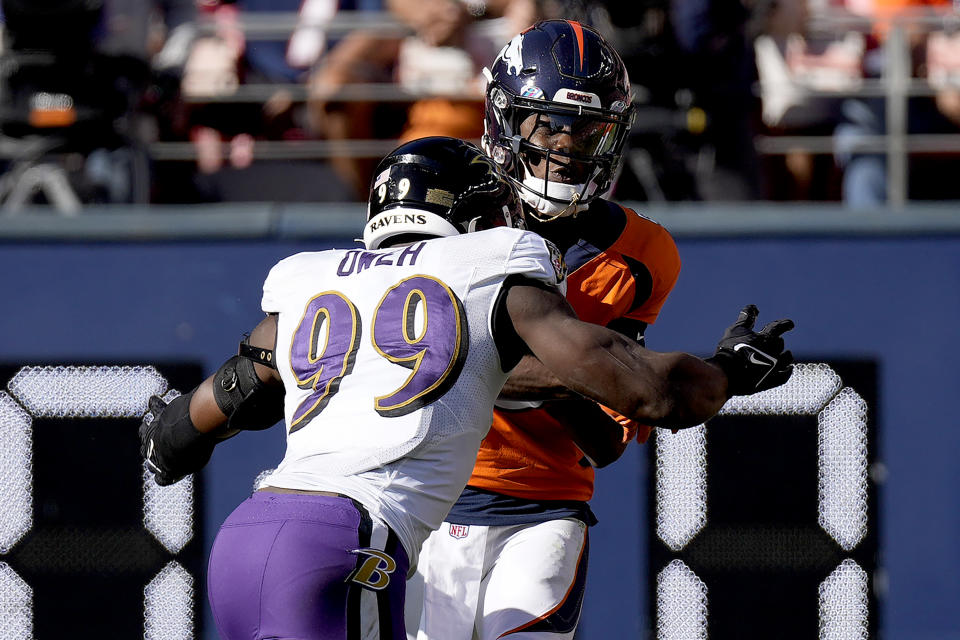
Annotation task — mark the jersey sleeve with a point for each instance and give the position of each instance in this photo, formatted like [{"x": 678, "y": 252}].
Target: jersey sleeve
[
  {"x": 536, "y": 258},
  {"x": 654, "y": 247},
  {"x": 662, "y": 259},
  {"x": 279, "y": 280},
  {"x": 651, "y": 255}
]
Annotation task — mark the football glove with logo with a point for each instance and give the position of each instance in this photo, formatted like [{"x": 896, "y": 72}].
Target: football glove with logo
[
  {"x": 753, "y": 361},
  {"x": 171, "y": 445}
]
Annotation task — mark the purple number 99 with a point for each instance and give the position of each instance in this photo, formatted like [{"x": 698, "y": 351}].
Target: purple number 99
[{"x": 419, "y": 324}]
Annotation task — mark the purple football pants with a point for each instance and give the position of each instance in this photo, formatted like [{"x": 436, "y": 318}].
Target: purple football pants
[{"x": 306, "y": 567}]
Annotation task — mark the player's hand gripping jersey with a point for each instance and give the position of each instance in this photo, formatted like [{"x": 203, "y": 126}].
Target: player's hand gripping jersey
[
  {"x": 381, "y": 362},
  {"x": 621, "y": 265}
]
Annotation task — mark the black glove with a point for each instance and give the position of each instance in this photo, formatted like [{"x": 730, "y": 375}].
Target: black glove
[
  {"x": 753, "y": 361},
  {"x": 171, "y": 445}
]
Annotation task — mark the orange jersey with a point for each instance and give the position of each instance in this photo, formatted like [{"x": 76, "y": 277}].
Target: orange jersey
[{"x": 622, "y": 265}]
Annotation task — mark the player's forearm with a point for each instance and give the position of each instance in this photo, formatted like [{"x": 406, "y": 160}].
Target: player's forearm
[
  {"x": 674, "y": 390},
  {"x": 697, "y": 391},
  {"x": 662, "y": 389},
  {"x": 205, "y": 415},
  {"x": 531, "y": 380}
]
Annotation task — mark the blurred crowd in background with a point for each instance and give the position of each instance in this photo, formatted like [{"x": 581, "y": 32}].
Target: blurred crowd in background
[{"x": 190, "y": 101}]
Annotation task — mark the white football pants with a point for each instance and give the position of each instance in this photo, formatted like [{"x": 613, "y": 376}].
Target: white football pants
[{"x": 476, "y": 582}]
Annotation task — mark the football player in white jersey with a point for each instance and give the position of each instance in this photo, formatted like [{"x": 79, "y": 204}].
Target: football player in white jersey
[{"x": 385, "y": 362}]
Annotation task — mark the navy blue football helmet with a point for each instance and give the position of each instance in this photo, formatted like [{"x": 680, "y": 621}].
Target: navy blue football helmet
[
  {"x": 438, "y": 186},
  {"x": 560, "y": 76}
]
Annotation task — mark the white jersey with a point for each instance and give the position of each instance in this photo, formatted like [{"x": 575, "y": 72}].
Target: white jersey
[{"x": 390, "y": 368}]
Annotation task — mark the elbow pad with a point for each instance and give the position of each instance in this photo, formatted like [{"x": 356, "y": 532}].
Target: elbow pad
[{"x": 248, "y": 403}]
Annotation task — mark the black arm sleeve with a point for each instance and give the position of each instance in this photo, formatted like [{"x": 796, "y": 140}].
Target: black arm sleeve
[{"x": 510, "y": 346}]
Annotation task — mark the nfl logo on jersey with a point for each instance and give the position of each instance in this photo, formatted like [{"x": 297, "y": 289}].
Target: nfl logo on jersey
[{"x": 459, "y": 530}]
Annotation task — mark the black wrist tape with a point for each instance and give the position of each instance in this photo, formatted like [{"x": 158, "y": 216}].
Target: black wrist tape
[{"x": 726, "y": 362}]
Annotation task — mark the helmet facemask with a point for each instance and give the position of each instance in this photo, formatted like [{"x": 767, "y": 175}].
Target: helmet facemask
[
  {"x": 568, "y": 78},
  {"x": 561, "y": 156}
]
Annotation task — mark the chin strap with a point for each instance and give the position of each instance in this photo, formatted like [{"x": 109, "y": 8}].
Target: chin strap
[{"x": 563, "y": 212}]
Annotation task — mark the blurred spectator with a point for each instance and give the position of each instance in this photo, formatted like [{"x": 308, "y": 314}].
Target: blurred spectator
[
  {"x": 452, "y": 41},
  {"x": 161, "y": 31},
  {"x": 943, "y": 72},
  {"x": 802, "y": 78},
  {"x": 214, "y": 71},
  {"x": 361, "y": 57},
  {"x": 226, "y": 133},
  {"x": 934, "y": 55},
  {"x": 83, "y": 82},
  {"x": 692, "y": 70},
  {"x": 660, "y": 160},
  {"x": 721, "y": 74},
  {"x": 791, "y": 61}
]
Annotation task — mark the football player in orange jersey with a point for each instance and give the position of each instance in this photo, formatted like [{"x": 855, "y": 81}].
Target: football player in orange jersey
[{"x": 511, "y": 557}]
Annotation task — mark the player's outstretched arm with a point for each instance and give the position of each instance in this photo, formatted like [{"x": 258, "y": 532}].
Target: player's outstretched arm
[
  {"x": 178, "y": 433},
  {"x": 663, "y": 389}
]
